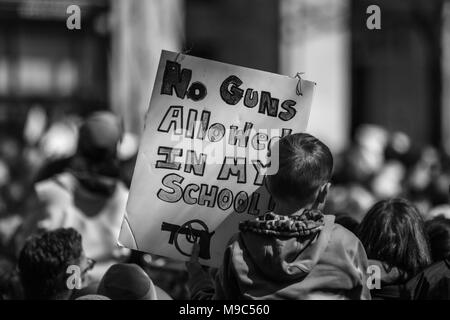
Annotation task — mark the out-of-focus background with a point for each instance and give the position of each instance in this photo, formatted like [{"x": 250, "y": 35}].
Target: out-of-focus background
[{"x": 382, "y": 102}]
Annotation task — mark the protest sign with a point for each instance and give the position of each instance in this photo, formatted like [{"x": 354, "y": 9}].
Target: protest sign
[{"x": 204, "y": 153}]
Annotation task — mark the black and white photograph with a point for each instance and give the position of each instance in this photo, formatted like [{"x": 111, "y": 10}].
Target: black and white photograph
[{"x": 197, "y": 150}]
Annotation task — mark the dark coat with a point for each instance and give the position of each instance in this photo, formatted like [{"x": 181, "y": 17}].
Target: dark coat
[{"x": 433, "y": 283}]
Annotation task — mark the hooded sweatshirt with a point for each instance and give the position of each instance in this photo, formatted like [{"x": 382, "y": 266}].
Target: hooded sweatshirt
[{"x": 304, "y": 256}]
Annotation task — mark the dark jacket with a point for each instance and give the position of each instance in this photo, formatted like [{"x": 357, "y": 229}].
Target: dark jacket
[
  {"x": 433, "y": 283},
  {"x": 392, "y": 283},
  {"x": 331, "y": 264}
]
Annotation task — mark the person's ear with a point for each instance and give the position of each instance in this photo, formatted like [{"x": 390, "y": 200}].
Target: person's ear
[{"x": 323, "y": 192}]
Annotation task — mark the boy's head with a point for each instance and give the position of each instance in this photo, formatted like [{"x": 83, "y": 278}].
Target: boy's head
[{"x": 305, "y": 168}]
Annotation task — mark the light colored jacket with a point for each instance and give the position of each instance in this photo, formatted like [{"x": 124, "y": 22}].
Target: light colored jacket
[
  {"x": 256, "y": 266},
  {"x": 96, "y": 217}
]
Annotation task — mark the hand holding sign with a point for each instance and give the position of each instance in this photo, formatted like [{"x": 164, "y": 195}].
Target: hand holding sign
[{"x": 193, "y": 266}]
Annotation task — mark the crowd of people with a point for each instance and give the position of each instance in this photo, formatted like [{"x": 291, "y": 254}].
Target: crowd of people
[{"x": 370, "y": 223}]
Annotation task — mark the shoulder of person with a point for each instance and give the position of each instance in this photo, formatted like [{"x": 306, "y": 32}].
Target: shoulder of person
[
  {"x": 122, "y": 190},
  {"x": 342, "y": 236},
  {"x": 428, "y": 283},
  {"x": 437, "y": 271},
  {"x": 55, "y": 187}
]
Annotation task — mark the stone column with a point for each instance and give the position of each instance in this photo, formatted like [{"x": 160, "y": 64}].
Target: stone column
[
  {"x": 140, "y": 30},
  {"x": 315, "y": 40}
]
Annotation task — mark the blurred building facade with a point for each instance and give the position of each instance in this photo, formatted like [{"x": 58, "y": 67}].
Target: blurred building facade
[
  {"x": 43, "y": 63},
  {"x": 394, "y": 77},
  {"x": 396, "y": 71}
]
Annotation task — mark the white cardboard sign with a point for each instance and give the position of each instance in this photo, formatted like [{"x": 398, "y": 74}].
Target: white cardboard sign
[{"x": 204, "y": 153}]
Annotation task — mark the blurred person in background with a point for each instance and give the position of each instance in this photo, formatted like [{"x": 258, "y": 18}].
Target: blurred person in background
[
  {"x": 44, "y": 261},
  {"x": 434, "y": 282},
  {"x": 14, "y": 175},
  {"x": 355, "y": 170},
  {"x": 387, "y": 183},
  {"x": 89, "y": 195},
  {"x": 57, "y": 147},
  {"x": 364, "y": 158},
  {"x": 393, "y": 234},
  {"x": 438, "y": 230},
  {"x": 127, "y": 153},
  {"x": 347, "y": 222},
  {"x": 10, "y": 286},
  {"x": 428, "y": 181},
  {"x": 353, "y": 199},
  {"x": 28, "y": 156}
]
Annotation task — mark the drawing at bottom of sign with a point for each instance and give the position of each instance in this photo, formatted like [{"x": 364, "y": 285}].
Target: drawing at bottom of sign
[{"x": 200, "y": 234}]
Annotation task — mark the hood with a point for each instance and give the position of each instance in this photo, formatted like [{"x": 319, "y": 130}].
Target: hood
[
  {"x": 89, "y": 202},
  {"x": 95, "y": 184},
  {"x": 286, "y": 248},
  {"x": 98, "y": 178},
  {"x": 90, "y": 193}
]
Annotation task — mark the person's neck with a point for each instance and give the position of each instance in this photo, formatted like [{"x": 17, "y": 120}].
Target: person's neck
[{"x": 288, "y": 209}]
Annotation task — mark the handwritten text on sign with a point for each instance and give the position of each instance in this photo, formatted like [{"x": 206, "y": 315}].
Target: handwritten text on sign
[{"x": 204, "y": 153}]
